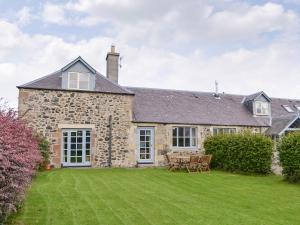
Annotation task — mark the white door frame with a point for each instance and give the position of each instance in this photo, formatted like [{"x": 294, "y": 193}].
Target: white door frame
[
  {"x": 69, "y": 163},
  {"x": 151, "y": 159}
]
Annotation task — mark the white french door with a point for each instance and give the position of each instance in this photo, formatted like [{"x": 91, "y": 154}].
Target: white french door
[
  {"x": 145, "y": 145},
  {"x": 76, "y": 147}
]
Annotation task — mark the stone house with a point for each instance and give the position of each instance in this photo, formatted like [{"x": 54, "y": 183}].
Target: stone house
[{"x": 90, "y": 120}]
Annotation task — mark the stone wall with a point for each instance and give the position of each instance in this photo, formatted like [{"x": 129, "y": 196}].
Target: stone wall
[
  {"x": 49, "y": 111},
  {"x": 163, "y": 138}
]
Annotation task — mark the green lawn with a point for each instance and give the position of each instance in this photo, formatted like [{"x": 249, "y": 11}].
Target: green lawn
[{"x": 157, "y": 196}]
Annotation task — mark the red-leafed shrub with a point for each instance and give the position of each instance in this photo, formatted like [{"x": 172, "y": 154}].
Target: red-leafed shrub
[{"x": 19, "y": 157}]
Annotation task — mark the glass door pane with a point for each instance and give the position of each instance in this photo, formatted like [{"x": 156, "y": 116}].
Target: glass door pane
[
  {"x": 76, "y": 149},
  {"x": 145, "y": 149}
]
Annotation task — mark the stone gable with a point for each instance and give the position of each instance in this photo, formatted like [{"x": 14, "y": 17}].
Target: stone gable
[{"x": 49, "y": 111}]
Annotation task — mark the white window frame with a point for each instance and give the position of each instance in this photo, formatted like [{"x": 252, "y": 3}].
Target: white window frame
[
  {"x": 218, "y": 129},
  {"x": 262, "y": 113},
  {"x": 190, "y": 137},
  {"x": 288, "y": 108},
  {"x": 78, "y": 81}
]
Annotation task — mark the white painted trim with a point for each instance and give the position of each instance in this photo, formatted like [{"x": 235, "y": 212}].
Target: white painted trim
[
  {"x": 152, "y": 135},
  {"x": 185, "y": 147},
  {"x": 68, "y": 163},
  {"x": 76, "y": 126}
]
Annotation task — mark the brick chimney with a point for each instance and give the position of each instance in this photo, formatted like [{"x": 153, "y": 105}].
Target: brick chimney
[{"x": 112, "y": 65}]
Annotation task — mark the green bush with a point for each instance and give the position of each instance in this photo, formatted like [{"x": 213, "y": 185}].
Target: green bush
[
  {"x": 242, "y": 152},
  {"x": 289, "y": 154},
  {"x": 44, "y": 147}
]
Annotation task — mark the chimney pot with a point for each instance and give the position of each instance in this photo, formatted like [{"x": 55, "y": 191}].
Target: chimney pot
[
  {"x": 112, "y": 49},
  {"x": 112, "y": 65}
]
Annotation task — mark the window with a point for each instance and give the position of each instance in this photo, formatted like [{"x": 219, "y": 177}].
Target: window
[
  {"x": 184, "y": 137},
  {"x": 217, "y": 131},
  {"x": 288, "y": 108},
  {"x": 79, "y": 80},
  {"x": 262, "y": 108}
]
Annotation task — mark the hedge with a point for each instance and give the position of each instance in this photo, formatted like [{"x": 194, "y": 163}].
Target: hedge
[
  {"x": 289, "y": 154},
  {"x": 19, "y": 158},
  {"x": 242, "y": 152}
]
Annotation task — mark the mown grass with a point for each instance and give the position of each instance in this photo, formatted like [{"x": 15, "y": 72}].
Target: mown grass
[{"x": 157, "y": 196}]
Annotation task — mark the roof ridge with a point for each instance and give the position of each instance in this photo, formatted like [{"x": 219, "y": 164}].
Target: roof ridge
[
  {"x": 207, "y": 92},
  {"x": 178, "y": 90}
]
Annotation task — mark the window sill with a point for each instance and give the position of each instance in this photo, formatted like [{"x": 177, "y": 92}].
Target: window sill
[{"x": 185, "y": 148}]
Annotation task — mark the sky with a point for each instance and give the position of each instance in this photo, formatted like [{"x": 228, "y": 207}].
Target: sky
[{"x": 247, "y": 46}]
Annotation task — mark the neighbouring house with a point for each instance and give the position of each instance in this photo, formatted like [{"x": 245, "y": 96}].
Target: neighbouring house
[{"x": 91, "y": 120}]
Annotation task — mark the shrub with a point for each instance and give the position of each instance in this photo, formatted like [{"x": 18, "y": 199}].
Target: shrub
[
  {"x": 241, "y": 152},
  {"x": 44, "y": 148},
  {"x": 19, "y": 157},
  {"x": 289, "y": 154}
]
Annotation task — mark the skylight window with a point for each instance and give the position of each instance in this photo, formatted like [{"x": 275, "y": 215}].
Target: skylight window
[{"x": 288, "y": 108}]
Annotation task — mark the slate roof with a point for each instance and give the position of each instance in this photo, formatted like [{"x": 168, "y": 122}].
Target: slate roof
[
  {"x": 188, "y": 107},
  {"x": 279, "y": 124},
  {"x": 184, "y": 107},
  {"x": 54, "y": 82},
  {"x": 256, "y": 95}
]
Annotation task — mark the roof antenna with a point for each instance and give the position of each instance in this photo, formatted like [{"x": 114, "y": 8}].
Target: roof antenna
[
  {"x": 216, "y": 94},
  {"x": 120, "y": 62}
]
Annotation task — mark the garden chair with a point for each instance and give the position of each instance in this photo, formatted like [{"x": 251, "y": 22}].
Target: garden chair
[
  {"x": 172, "y": 161},
  {"x": 205, "y": 162},
  {"x": 193, "y": 164}
]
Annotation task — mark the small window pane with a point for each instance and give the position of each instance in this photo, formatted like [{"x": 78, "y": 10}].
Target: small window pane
[
  {"x": 180, "y": 131},
  {"x": 187, "y": 142},
  {"x": 84, "y": 80},
  {"x": 187, "y": 132},
  {"x": 174, "y": 132},
  {"x": 193, "y": 132},
  {"x": 88, "y": 133},
  {"x": 194, "y": 142},
  {"x": 180, "y": 142},
  {"x": 73, "y": 77},
  {"x": 87, "y": 158},
  {"x": 175, "y": 142}
]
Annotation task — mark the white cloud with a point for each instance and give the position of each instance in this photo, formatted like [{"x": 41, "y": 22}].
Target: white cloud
[
  {"x": 149, "y": 35},
  {"x": 54, "y": 13},
  {"x": 24, "y": 16}
]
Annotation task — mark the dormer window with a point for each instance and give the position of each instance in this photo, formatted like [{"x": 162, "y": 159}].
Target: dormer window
[
  {"x": 288, "y": 108},
  {"x": 78, "y": 80},
  {"x": 262, "y": 108}
]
